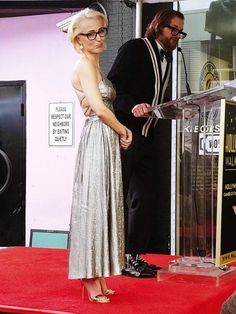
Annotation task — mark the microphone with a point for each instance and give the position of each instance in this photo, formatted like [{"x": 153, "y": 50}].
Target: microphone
[{"x": 185, "y": 70}]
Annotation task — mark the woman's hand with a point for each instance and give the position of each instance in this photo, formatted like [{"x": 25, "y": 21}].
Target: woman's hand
[{"x": 125, "y": 140}]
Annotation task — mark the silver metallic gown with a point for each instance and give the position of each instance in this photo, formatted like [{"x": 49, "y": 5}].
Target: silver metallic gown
[{"x": 96, "y": 230}]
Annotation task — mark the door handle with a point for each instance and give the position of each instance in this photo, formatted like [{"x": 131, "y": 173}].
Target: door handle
[{"x": 9, "y": 171}]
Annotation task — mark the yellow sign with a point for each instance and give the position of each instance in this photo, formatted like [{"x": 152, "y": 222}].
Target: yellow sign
[{"x": 209, "y": 76}]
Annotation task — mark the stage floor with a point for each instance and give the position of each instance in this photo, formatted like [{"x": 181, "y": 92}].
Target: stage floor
[{"x": 34, "y": 280}]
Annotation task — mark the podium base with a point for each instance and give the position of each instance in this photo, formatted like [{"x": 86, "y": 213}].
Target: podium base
[{"x": 197, "y": 269}]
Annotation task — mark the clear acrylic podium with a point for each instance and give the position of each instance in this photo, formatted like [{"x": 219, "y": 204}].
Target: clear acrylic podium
[{"x": 198, "y": 139}]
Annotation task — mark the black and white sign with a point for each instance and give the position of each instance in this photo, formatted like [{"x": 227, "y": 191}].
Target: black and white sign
[
  {"x": 209, "y": 143},
  {"x": 61, "y": 124}
]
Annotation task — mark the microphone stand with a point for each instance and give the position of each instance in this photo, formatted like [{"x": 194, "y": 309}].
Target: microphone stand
[{"x": 185, "y": 70}]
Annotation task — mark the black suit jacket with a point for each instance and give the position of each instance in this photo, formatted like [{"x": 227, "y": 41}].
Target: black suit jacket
[{"x": 133, "y": 77}]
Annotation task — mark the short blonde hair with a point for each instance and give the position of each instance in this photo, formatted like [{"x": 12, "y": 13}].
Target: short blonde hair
[{"x": 77, "y": 20}]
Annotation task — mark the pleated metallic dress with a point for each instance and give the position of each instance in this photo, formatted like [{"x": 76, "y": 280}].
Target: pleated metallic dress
[{"x": 97, "y": 218}]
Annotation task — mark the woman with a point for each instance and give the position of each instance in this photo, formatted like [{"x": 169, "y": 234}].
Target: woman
[{"x": 96, "y": 235}]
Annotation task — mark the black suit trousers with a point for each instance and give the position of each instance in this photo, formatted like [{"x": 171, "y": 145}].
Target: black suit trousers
[{"x": 139, "y": 184}]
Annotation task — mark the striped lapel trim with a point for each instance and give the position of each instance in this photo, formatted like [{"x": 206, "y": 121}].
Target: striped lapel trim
[
  {"x": 147, "y": 124},
  {"x": 166, "y": 80}
]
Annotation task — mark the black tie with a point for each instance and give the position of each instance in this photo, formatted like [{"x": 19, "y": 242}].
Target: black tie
[{"x": 165, "y": 54}]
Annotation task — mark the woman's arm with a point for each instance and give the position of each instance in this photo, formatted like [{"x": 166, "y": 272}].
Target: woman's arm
[{"x": 87, "y": 77}]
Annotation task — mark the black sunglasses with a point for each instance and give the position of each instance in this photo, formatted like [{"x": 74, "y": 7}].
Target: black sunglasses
[
  {"x": 175, "y": 31},
  {"x": 102, "y": 32}
]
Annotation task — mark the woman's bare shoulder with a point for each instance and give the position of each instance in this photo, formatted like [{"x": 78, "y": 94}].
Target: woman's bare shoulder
[{"x": 83, "y": 64}]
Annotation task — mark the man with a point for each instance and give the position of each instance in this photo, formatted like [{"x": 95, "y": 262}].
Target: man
[{"x": 140, "y": 75}]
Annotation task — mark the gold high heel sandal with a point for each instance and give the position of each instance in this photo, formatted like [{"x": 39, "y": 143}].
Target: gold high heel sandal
[
  {"x": 100, "y": 298},
  {"x": 109, "y": 292},
  {"x": 105, "y": 290}
]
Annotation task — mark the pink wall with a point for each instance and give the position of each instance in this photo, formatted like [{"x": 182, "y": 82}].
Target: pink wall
[{"x": 35, "y": 50}]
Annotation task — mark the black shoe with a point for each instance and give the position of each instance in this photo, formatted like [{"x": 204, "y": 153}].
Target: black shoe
[
  {"x": 135, "y": 270},
  {"x": 142, "y": 262}
]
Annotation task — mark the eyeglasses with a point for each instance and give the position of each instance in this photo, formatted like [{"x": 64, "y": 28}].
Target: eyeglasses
[
  {"x": 175, "y": 31},
  {"x": 102, "y": 32}
]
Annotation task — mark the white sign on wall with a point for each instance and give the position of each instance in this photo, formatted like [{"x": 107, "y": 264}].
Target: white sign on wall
[{"x": 61, "y": 124}]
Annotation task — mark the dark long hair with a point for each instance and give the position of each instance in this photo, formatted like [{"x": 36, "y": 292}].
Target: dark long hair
[{"x": 162, "y": 18}]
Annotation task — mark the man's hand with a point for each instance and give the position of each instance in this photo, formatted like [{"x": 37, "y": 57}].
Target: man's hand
[{"x": 141, "y": 110}]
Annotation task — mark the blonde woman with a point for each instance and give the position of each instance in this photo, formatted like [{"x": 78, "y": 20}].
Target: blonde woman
[{"x": 96, "y": 231}]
